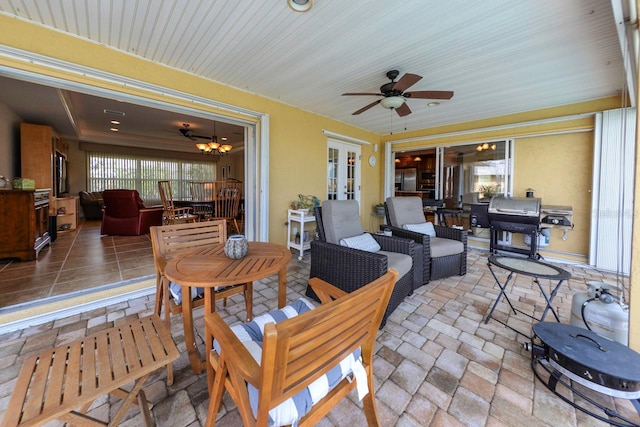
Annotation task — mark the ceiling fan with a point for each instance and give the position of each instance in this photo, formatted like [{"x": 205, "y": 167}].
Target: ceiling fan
[
  {"x": 394, "y": 95},
  {"x": 188, "y": 133}
]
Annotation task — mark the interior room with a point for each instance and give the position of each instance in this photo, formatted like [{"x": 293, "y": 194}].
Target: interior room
[{"x": 460, "y": 108}]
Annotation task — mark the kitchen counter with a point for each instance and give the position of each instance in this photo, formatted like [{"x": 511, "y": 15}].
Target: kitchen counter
[{"x": 421, "y": 194}]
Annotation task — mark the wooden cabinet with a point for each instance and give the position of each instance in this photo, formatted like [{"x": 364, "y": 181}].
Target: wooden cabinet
[
  {"x": 67, "y": 213},
  {"x": 38, "y": 145},
  {"x": 24, "y": 215}
]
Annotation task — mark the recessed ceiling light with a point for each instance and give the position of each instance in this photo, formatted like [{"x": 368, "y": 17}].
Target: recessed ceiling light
[
  {"x": 114, "y": 129},
  {"x": 433, "y": 104},
  {"x": 300, "y": 5},
  {"x": 224, "y": 138},
  {"x": 115, "y": 122}
]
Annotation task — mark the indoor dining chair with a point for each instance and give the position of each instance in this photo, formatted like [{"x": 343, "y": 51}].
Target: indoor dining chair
[
  {"x": 292, "y": 366},
  {"x": 227, "y": 203},
  {"x": 202, "y": 198},
  {"x": 168, "y": 241},
  {"x": 173, "y": 214}
]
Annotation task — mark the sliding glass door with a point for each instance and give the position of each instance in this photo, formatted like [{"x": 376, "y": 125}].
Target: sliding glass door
[{"x": 474, "y": 172}]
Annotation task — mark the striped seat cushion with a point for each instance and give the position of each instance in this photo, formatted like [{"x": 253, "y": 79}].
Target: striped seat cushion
[
  {"x": 175, "y": 290},
  {"x": 291, "y": 410}
]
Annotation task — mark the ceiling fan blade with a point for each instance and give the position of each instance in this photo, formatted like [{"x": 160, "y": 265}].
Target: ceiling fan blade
[
  {"x": 406, "y": 82},
  {"x": 363, "y": 109},
  {"x": 403, "y": 110},
  {"x": 358, "y": 93},
  {"x": 429, "y": 94}
]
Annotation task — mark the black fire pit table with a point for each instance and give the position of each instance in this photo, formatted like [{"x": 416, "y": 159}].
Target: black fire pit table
[
  {"x": 528, "y": 267},
  {"x": 570, "y": 356}
]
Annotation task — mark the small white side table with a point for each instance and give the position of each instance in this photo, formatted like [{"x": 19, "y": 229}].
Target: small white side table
[{"x": 301, "y": 217}]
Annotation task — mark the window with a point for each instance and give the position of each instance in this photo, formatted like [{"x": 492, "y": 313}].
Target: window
[{"x": 110, "y": 171}]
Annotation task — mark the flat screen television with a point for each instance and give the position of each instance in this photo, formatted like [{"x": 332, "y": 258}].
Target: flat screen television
[{"x": 61, "y": 179}]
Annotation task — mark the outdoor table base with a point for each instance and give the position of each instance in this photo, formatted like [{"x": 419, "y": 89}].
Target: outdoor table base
[{"x": 528, "y": 267}]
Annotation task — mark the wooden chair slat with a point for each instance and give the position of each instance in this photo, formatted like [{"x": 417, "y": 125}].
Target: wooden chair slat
[
  {"x": 145, "y": 352},
  {"x": 38, "y": 385},
  {"x": 73, "y": 375},
  {"x": 105, "y": 373},
  {"x": 56, "y": 378},
  {"x": 88, "y": 367},
  {"x": 132, "y": 360},
  {"x": 117, "y": 358}
]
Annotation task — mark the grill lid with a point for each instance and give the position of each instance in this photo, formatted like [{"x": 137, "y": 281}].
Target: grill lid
[{"x": 515, "y": 206}]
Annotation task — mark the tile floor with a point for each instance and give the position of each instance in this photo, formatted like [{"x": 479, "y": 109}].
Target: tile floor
[
  {"x": 437, "y": 363},
  {"x": 76, "y": 261}
]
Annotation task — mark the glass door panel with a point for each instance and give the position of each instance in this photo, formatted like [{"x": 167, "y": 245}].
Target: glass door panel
[{"x": 343, "y": 171}]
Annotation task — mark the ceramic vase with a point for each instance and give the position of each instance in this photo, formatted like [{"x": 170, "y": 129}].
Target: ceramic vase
[{"x": 236, "y": 247}]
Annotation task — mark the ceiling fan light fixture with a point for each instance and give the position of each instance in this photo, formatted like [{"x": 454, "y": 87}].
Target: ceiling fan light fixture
[
  {"x": 226, "y": 148},
  {"x": 300, "y": 5},
  {"x": 214, "y": 145},
  {"x": 392, "y": 102}
]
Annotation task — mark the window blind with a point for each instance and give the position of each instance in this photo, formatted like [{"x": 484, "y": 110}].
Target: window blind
[{"x": 142, "y": 173}]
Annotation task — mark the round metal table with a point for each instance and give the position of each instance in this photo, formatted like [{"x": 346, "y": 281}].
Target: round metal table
[{"x": 528, "y": 267}]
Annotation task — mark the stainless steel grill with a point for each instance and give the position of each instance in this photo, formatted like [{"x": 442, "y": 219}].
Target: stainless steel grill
[{"x": 515, "y": 215}]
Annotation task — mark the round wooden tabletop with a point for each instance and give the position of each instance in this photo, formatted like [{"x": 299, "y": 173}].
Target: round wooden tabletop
[{"x": 210, "y": 266}]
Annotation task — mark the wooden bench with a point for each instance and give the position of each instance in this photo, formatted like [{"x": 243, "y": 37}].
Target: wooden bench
[{"x": 62, "y": 383}]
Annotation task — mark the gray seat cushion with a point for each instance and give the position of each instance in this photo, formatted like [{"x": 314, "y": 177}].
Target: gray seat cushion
[
  {"x": 400, "y": 262},
  {"x": 405, "y": 210},
  {"x": 444, "y": 247}
]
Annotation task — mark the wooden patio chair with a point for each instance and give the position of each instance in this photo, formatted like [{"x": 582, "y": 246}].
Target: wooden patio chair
[
  {"x": 173, "y": 214},
  {"x": 167, "y": 241},
  {"x": 269, "y": 364}
]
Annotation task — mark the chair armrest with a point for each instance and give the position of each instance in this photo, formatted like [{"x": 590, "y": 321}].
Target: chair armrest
[
  {"x": 235, "y": 351},
  {"x": 151, "y": 209},
  {"x": 451, "y": 233},
  {"x": 182, "y": 211},
  {"x": 326, "y": 292},
  {"x": 345, "y": 268},
  {"x": 424, "y": 239},
  {"x": 395, "y": 244}
]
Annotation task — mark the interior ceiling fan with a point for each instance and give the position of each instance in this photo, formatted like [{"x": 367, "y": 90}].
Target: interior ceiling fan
[
  {"x": 394, "y": 95},
  {"x": 188, "y": 133}
]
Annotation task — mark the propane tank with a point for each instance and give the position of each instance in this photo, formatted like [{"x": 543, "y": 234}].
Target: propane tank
[{"x": 599, "y": 311}]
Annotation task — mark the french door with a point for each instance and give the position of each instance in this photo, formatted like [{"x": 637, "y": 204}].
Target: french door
[{"x": 343, "y": 171}]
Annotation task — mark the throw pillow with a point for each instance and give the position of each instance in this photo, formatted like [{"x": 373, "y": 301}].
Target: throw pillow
[
  {"x": 364, "y": 242},
  {"x": 423, "y": 228}
]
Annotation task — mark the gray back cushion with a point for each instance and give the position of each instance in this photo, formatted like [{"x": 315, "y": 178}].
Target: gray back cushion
[
  {"x": 405, "y": 210},
  {"x": 341, "y": 219}
]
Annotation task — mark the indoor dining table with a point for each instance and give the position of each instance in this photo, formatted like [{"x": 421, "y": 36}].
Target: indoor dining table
[{"x": 209, "y": 267}]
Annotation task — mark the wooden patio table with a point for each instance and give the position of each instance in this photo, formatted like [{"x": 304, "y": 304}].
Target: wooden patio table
[{"x": 209, "y": 267}]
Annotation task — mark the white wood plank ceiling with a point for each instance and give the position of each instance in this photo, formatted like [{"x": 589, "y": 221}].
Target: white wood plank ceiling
[{"x": 498, "y": 56}]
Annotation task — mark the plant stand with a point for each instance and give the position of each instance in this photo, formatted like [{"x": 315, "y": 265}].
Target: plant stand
[{"x": 302, "y": 217}]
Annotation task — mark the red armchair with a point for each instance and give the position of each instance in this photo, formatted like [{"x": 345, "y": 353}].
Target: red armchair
[{"x": 125, "y": 214}]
